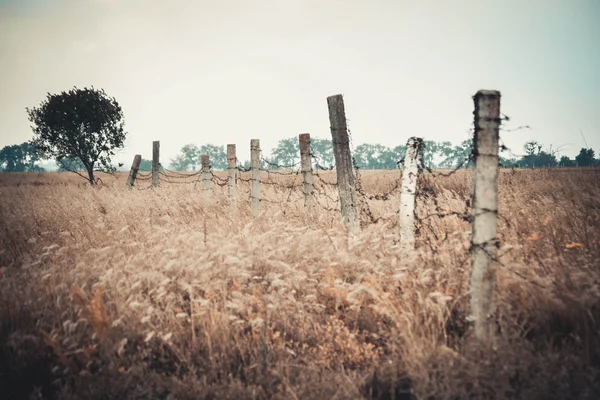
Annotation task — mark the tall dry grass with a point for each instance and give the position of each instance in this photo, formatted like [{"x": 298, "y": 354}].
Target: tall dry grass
[{"x": 157, "y": 294}]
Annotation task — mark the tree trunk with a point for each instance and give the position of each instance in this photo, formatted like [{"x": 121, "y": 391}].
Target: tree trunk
[{"x": 90, "y": 171}]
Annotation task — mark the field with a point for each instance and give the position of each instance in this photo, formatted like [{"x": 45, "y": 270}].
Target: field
[{"x": 111, "y": 293}]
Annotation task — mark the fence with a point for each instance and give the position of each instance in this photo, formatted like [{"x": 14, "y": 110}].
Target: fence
[{"x": 353, "y": 201}]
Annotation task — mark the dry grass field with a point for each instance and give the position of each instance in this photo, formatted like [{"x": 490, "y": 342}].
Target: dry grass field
[{"x": 111, "y": 293}]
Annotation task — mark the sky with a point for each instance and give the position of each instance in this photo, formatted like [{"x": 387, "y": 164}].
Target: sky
[{"x": 229, "y": 71}]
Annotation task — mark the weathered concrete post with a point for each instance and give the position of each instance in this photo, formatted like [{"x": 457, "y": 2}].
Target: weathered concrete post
[
  {"x": 485, "y": 209},
  {"x": 410, "y": 176},
  {"x": 306, "y": 167},
  {"x": 255, "y": 175},
  {"x": 232, "y": 173},
  {"x": 135, "y": 166},
  {"x": 206, "y": 176},
  {"x": 343, "y": 162},
  {"x": 155, "y": 162}
]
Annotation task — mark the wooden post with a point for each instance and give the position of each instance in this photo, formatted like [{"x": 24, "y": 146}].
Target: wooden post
[
  {"x": 206, "y": 176},
  {"x": 485, "y": 207},
  {"x": 155, "y": 162},
  {"x": 410, "y": 175},
  {"x": 343, "y": 162},
  {"x": 135, "y": 166},
  {"x": 306, "y": 166},
  {"x": 232, "y": 172},
  {"x": 255, "y": 175}
]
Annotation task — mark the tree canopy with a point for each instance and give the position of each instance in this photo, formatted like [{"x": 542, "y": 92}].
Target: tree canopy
[
  {"x": 285, "y": 155},
  {"x": 145, "y": 165},
  {"x": 190, "y": 157},
  {"x": 375, "y": 156},
  {"x": 585, "y": 158},
  {"x": 82, "y": 124},
  {"x": 20, "y": 158}
]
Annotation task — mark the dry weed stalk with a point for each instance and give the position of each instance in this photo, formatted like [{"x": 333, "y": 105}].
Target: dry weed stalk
[{"x": 93, "y": 310}]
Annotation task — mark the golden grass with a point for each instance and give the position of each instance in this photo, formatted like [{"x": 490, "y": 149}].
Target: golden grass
[{"x": 115, "y": 293}]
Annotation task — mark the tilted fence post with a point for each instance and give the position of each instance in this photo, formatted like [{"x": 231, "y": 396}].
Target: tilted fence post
[
  {"x": 206, "y": 176},
  {"x": 343, "y": 161},
  {"x": 306, "y": 167},
  {"x": 232, "y": 172},
  {"x": 410, "y": 176},
  {"x": 255, "y": 175},
  {"x": 135, "y": 166},
  {"x": 485, "y": 210},
  {"x": 155, "y": 162}
]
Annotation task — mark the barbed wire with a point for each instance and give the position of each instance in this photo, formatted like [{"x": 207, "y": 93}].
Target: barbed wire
[
  {"x": 240, "y": 167},
  {"x": 178, "y": 177},
  {"x": 279, "y": 166},
  {"x": 426, "y": 191},
  {"x": 323, "y": 187},
  {"x": 323, "y": 181},
  {"x": 288, "y": 173},
  {"x": 143, "y": 177},
  {"x": 318, "y": 162},
  {"x": 218, "y": 180},
  {"x": 182, "y": 174}
]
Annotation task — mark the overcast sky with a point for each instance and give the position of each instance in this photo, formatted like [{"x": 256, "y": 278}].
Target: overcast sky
[{"x": 227, "y": 71}]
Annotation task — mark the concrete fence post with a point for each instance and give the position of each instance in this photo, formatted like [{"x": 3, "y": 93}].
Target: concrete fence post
[
  {"x": 135, "y": 167},
  {"x": 255, "y": 175},
  {"x": 485, "y": 209},
  {"x": 307, "y": 173},
  {"x": 206, "y": 176},
  {"x": 410, "y": 175},
  {"x": 232, "y": 173},
  {"x": 343, "y": 162},
  {"x": 155, "y": 162}
]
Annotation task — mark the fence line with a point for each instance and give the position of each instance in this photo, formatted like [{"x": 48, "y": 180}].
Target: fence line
[{"x": 345, "y": 194}]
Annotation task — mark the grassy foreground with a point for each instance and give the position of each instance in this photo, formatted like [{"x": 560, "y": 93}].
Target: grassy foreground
[{"x": 112, "y": 293}]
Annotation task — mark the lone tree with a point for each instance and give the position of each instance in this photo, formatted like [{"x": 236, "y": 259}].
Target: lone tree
[{"x": 83, "y": 124}]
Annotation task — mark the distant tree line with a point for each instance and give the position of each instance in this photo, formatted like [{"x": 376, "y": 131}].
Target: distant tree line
[
  {"x": 535, "y": 157},
  {"x": 286, "y": 154}
]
